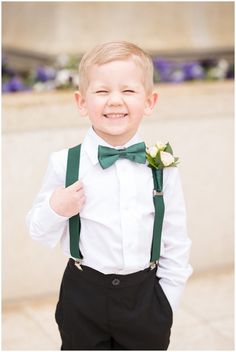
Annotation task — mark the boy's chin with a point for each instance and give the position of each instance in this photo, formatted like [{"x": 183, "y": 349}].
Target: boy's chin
[{"x": 116, "y": 136}]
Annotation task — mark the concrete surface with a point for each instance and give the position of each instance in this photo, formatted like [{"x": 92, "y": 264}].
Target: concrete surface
[{"x": 204, "y": 321}]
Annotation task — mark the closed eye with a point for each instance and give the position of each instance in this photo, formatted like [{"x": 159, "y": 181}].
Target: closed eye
[
  {"x": 129, "y": 91},
  {"x": 101, "y": 91}
]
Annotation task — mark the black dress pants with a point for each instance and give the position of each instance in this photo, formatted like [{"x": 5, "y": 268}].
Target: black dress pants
[{"x": 105, "y": 312}]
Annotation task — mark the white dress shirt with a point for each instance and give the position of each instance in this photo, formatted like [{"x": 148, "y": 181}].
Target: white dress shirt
[{"x": 117, "y": 218}]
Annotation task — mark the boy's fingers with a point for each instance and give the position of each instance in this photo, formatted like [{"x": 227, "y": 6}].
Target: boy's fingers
[{"x": 76, "y": 186}]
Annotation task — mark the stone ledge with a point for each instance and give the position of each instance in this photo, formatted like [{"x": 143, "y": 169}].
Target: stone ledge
[{"x": 36, "y": 111}]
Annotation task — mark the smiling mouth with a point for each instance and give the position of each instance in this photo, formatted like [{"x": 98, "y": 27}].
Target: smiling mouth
[{"x": 115, "y": 116}]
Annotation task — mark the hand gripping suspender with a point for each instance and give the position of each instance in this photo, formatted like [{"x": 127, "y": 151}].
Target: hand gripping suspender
[{"x": 72, "y": 175}]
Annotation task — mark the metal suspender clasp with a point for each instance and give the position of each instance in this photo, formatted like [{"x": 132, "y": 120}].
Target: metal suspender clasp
[
  {"x": 156, "y": 193},
  {"x": 78, "y": 263},
  {"x": 153, "y": 265}
]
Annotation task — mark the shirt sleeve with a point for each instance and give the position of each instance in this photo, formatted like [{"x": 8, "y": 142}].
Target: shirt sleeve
[
  {"x": 43, "y": 223},
  {"x": 174, "y": 268}
]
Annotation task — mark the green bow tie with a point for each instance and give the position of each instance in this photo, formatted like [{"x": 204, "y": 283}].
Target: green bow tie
[{"x": 107, "y": 156}]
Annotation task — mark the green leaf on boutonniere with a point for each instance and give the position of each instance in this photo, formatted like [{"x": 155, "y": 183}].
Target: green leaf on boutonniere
[
  {"x": 158, "y": 158},
  {"x": 159, "y": 163},
  {"x": 150, "y": 160},
  {"x": 176, "y": 159},
  {"x": 168, "y": 148}
]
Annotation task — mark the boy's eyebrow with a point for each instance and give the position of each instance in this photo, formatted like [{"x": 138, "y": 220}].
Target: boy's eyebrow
[
  {"x": 130, "y": 85},
  {"x": 97, "y": 85}
]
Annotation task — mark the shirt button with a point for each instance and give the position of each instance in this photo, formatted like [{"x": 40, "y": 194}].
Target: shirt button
[{"x": 115, "y": 282}]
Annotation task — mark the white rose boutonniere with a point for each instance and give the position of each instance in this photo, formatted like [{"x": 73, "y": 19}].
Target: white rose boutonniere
[{"x": 160, "y": 156}]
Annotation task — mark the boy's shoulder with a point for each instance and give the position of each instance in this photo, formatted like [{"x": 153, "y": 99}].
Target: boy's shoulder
[
  {"x": 58, "y": 160},
  {"x": 171, "y": 177},
  {"x": 59, "y": 154},
  {"x": 62, "y": 154}
]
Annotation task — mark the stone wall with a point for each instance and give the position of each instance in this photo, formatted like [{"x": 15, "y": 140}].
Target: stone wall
[{"x": 74, "y": 27}]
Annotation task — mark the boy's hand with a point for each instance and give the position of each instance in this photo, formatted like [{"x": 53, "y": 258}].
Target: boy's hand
[{"x": 68, "y": 201}]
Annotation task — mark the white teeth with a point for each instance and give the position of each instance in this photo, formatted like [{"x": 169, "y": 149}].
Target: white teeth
[{"x": 115, "y": 116}]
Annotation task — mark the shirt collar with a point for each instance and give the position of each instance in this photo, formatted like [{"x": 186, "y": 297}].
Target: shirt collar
[{"x": 92, "y": 141}]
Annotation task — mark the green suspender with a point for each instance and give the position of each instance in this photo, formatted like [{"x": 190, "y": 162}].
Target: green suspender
[
  {"x": 159, "y": 213},
  {"x": 72, "y": 175}
]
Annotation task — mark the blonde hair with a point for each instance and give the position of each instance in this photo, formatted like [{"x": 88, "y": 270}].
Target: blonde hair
[{"x": 111, "y": 51}]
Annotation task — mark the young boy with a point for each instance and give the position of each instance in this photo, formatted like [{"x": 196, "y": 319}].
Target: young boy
[{"x": 110, "y": 296}]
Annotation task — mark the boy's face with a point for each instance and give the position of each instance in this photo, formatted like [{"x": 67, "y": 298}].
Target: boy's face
[{"x": 115, "y": 100}]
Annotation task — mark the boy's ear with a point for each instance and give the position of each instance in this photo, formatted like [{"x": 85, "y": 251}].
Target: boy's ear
[
  {"x": 150, "y": 103},
  {"x": 81, "y": 103}
]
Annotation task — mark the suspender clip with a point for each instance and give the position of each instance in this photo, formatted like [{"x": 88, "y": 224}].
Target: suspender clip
[
  {"x": 78, "y": 263},
  {"x": 156, "y": 193},
  {"x": 153, "y": 265}
]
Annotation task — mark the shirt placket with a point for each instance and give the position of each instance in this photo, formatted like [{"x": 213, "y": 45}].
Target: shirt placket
[{"x": 125, "y": 176}]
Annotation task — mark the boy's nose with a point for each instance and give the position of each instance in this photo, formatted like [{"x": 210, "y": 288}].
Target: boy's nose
[{"x": 115, "y": 98}]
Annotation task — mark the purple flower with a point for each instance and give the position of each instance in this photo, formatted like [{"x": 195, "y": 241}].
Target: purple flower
[
  {"x": 170, "y": 71},
  {"x": 6, "y": 87},
  {"x": 163, "y": 67},
  {"x": 193, "y": 70},
  {"x": 15, "y": 84},
  {"x": 176, "y": 76},
  {"x": 44, "y": 74}
]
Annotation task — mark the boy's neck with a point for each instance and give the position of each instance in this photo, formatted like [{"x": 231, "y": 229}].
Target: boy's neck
[{"x": 115, "y": 140}]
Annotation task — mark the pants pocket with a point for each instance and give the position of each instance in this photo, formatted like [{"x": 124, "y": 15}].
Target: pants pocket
[
  {"x": 163, "y": 298},
  {"x": 66, "y": 337}
]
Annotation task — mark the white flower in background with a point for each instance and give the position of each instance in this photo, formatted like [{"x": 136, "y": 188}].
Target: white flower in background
[
  {"x": 39, "y": 87},
  {"x": 160, "y": 145},
  {"x": 223, "y": 65},
  {"x": 166, "y": 158},
  {"x": 46, "y": 86},
  {"x": 153, "y": 151},
  {"x": 63, "y": 77}
]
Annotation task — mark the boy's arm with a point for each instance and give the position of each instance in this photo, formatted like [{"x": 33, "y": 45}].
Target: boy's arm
[
  {"x": 174, "y": 268},
  {"x": 44, "y": 224}
]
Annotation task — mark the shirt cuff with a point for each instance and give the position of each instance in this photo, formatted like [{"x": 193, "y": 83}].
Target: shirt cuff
[
  {"x": 49, "y": 215},
  {"x": 173, "y": 293}
]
